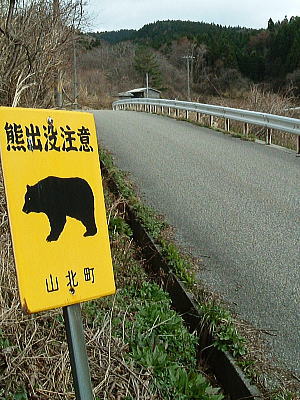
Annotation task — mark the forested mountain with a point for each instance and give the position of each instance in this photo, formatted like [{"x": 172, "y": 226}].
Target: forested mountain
[
  {"x": 159, "y": 33},
  {"x": 266, "y": 55}
]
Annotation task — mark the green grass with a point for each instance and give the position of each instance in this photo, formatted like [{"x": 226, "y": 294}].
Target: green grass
[
  {"x": 157, "y": 341},
  {"x": 4, "y": 342},
  {"x": 19, "y": 395},
  {"x": 222, "y": 326},
  {"x": 180, "y": 265}
]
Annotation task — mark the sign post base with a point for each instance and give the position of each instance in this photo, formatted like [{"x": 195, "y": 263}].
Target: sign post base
[{"x": 77, "y": 351}]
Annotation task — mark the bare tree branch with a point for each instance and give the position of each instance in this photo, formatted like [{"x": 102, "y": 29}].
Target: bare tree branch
[
  {"x": 10, "y": 13},
  {"x": 35, "y": 41}
]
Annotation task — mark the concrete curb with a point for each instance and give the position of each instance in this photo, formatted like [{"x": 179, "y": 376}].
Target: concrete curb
[{"x": 230, "y": 376}]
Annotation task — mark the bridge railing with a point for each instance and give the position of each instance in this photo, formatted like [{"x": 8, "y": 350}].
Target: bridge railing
[{"x": 269, "y": 121}]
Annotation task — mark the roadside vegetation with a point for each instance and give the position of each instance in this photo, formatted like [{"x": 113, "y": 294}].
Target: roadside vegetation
[
  {"x": 237, "y": 129},
  {"x": 138, "y": 347}
]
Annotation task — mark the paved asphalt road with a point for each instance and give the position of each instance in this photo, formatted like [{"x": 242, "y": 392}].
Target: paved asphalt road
[{"x": 233, "y": 203}]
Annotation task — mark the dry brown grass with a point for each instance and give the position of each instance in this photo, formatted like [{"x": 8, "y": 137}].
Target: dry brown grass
[{"x": 259, "y": 99}]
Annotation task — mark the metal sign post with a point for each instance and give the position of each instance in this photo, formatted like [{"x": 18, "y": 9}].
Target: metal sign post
[{"x": 77, "y": 351}]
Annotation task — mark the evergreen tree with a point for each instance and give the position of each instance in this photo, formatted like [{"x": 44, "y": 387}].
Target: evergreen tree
[
  {"x": 145, "y": 62},
  {"x": 271, "y": 25}
]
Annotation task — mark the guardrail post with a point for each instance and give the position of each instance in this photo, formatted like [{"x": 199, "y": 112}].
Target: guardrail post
[
  {"x": 227, "y": 124},
  {"x": 269, "y": 136},
  {"x": 246, "y": 117}
]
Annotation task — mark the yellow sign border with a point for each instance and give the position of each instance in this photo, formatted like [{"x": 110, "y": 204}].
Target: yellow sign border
[{"x": 72, "y": 258}]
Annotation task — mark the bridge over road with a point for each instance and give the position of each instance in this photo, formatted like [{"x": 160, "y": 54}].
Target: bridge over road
[{"x": 234, "y": 203}]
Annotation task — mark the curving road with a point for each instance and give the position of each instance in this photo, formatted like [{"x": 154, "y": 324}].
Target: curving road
[{"x": 234, "y": 203}]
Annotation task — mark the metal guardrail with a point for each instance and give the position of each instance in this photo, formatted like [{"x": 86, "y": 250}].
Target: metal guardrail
[{"x": 269, "y": 121}]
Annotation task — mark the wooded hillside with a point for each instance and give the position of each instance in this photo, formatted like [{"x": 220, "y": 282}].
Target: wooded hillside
[{"x": 224, "y": 56}]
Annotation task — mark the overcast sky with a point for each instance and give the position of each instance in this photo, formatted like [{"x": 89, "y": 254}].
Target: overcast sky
[{"x": 107, "y": 15}]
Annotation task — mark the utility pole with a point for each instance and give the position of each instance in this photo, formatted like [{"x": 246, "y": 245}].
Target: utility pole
[
  {"x": 188, "y": 58},
  {"x": 147, "y": 84},
  {"x": 75, "y": 81},
  {"x": 58, "y": 100}
]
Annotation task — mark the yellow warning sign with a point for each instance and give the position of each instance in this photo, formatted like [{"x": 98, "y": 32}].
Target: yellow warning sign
[{"x": 56, "y": 207}]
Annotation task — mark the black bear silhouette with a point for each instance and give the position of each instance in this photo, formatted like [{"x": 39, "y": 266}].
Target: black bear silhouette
[{"x": 59, "y": 198}]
